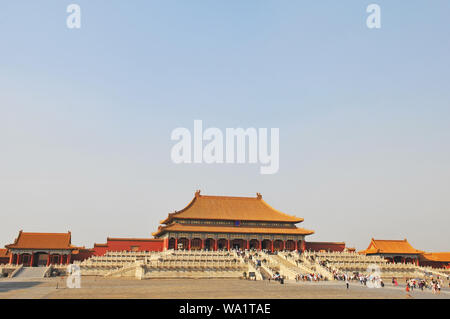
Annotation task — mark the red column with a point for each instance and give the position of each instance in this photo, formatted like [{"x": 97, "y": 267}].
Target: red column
[
  {"x": 189, "y": 244},
  {"x": 248, "y": 244},
  {"x": 215, "y": 244},
  {"x": 68, "y": 259},
  {"x": 61, "y": 259},
  {"x": 303, "y": 245},
  {"x": 176, "y": 244},
  {"x": 48, "y": 259},
  {"x": 296, "y": 246},
  {"x": 18, "y": 259},
  {"x": 271, "y": 245},
  {"x": 11, "y": 255},
  {"x": 228, "y": 244},
  {"x": 32, "y": 260}
]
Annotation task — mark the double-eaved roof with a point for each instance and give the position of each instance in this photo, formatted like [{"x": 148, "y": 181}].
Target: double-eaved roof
[
  {"x": 227, "y": 208},
  {"x": 42, "y": 241},
  {"x": 231, "y": 208}
]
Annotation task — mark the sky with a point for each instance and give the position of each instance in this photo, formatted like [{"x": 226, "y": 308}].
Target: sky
[{"x": 86, "y": 114}]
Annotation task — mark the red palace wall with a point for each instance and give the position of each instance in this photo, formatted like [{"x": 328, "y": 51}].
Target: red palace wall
[
  {"x": 82, "y": 254},
  {"x": 326, "y": 246},
  {"x": 100, "y": 249},
  {"x": 121, "y": 244}
]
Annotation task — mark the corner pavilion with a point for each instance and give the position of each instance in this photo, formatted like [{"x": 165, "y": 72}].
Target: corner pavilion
[
  {"x": 399, "y": 251},
  {"x": 224, "y": 222}
]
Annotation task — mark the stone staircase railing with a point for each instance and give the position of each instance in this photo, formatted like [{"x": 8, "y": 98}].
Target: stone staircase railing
[
  {"x": 126, "y": 268},
  {"x": 289, "y": 269},
  {"x": 251, "y": 268},
  {"x": 265, "y": 265},
  {"x": 267, "y": 269},
  {"x": 299, "y": 263},
  {"x": 432, "y": 271},
  {"x": 48, "y": 271},
  {"x": 15, "y": 272},
  {"x": 314, "y": 265},
  {"x": 275, "y": 260}
]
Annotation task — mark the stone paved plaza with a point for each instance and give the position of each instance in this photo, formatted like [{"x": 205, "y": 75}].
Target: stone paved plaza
[{"x": 98, "y": 287}]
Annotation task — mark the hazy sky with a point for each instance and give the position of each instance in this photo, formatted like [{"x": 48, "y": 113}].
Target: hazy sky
[{"x": 86, "y": 115}]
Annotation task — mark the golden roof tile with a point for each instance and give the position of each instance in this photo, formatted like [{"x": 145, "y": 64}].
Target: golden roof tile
[
  {"x": 230, "y": 208},
  {"x": 383, "y": 246},
  {"x": 42, "y": 241}
]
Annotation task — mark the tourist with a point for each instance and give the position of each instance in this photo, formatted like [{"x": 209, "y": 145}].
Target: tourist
[{"x": 346, "y": 281}]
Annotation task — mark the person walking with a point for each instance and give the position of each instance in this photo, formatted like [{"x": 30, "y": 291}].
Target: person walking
[{"x": 346, "y": 281}]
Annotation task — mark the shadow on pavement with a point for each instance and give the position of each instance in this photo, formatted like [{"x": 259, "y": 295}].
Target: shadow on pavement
[{"x": 9, "y": 286}]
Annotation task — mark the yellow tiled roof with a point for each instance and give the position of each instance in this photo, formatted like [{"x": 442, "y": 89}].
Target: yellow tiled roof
[
  {"x": 42, "y": 241},
  {"x": 380, "y": 246},
  {"x": 4, "y": 253},
  {"x": 441, "y": 257},
  {"x": 231, "y": 208}
]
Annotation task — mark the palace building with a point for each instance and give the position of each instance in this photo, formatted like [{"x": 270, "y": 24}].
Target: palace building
[
  {"x": 41, "y": 249},
  {"x": 225, "y": 222},
  {"x": 435, "y": 260},
  {"x": 210, "y": 223},
  {"x": 393, "y": 250}
]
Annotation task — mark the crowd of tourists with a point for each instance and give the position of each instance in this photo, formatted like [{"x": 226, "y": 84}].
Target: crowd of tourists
[
  {"x": 277, "y": 277},
  {"x": 309, "y": 277},
  {"x": 434, "y": 285},
  {"x": 369, "y": 280}
]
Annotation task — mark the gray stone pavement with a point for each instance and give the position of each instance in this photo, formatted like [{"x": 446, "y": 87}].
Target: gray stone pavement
[{"x": 98, "y": 287}]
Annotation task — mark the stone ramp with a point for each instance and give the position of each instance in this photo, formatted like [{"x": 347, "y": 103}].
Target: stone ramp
[
  {"x": 31, "y": 272},
  {"x": 288, "y": 268},
  {"x": 265, "y": 275}
]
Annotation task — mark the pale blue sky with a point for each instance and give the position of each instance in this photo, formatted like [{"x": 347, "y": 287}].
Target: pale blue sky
[{"x": 86, "y": 115}]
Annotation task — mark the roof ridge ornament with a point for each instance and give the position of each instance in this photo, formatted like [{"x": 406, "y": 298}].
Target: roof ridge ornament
[
  {"x": 197, "y": 193},
  {"x": 258, "y": 195}
]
